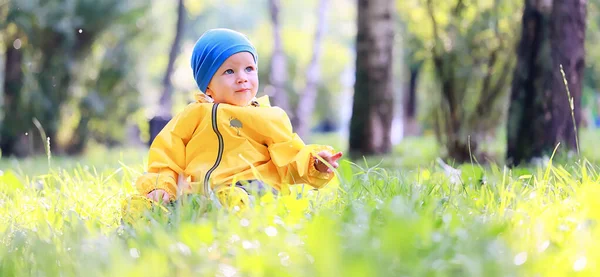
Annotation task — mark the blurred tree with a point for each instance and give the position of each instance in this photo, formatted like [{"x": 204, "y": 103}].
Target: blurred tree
[
  {"x": 109, "y": 99},
  {"x": 414, "y": 67},
  {"x": 59, "y": 35},
  {"x": 469, "y": 45},
  {"x": 413, "y": 60},
  {"x": 543, "y": 112},
  {"x": 11, "y": 125},
  {"x": 297, "y": 35},
  {"x": 591, "y": 83},
  {"x": 306, "y": 103},
  {"x": 372, "y": 111},
  {"x": 411, "y": 126},
  {"x": 278, "y": 72},
  {"x": 158, "y": 122}
]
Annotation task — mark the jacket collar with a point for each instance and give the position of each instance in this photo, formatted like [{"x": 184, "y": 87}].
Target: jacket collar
[{"x": 262, "y": 101}]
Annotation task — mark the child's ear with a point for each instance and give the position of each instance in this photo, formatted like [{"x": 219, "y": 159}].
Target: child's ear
[{"x": 209, "y": 92}]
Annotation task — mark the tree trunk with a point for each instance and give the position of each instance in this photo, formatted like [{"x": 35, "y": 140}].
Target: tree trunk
[
  {"x": 539, "y": 117},
  {"x": 278, "y": 75},
  {"x": 82, "y": 132},
  {"x": 452, "y": 132},
  {"x": 46, "y": 109},
  {"x": 411, "y": 127},
  {"x": 568, "y": 51},
  {"x": 306, "y": 105},
  {"x": 165, "y": 112},
  {"x": 10, "y": 127},
  {"x": 373, "y": 107}
]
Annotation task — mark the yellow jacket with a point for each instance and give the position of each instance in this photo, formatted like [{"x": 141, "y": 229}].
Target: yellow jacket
[{"x": 219, "y": 144}]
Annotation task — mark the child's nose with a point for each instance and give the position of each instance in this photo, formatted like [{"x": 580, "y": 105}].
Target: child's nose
[{"x": 242, "y": 78}]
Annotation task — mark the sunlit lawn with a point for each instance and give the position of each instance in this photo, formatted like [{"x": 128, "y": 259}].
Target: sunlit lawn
[{"x": 406, "y": 217}]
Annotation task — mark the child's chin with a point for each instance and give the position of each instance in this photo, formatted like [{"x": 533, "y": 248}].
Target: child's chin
[{"x": 239, "y": 102}]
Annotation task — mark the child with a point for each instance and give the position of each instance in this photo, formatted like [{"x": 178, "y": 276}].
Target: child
[{"x": 228, "y": 138}]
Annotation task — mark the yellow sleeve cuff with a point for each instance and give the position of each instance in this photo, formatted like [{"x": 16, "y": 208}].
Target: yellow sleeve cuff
[
  {"x": 322, "y": 178},
  {"x": 152, "y": 181}
]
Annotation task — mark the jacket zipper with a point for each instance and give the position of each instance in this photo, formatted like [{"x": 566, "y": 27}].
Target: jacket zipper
[{"x": 220, "y": 153}]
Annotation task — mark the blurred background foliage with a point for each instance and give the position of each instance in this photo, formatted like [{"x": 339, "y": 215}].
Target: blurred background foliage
[{"x": 91, "y": 72}]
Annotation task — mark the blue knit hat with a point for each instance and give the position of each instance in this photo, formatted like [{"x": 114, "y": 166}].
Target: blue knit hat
[{"x": 213, "y": 48}]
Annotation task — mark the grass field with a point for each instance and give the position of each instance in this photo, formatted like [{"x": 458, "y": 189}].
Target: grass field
[{"x": 404, "y": 215}]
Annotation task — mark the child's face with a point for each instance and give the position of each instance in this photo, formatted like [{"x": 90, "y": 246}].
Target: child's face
[{"x": 236, "y": 81}]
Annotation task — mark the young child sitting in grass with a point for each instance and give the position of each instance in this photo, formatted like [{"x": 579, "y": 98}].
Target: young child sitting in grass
[{"x": 228, "y": 138}]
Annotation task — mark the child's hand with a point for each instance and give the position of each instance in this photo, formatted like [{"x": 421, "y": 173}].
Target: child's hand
[
  {"x": 331, "y": 159},
  {"x": 158, "y": 195}
]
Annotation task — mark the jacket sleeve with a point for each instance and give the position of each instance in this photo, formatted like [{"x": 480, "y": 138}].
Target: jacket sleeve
[
  {"x": 166, "y": 159},
  {"x": 295, "y": 160}
]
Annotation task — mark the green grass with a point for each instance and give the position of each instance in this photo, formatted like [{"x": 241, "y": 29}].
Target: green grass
[{"x": 62, "y": 218}]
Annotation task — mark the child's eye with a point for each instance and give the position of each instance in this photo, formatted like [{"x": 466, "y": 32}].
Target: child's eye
[
  {"x": 249, "y": 69},
  {"x": 228, "y": 71}
]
